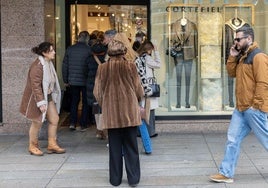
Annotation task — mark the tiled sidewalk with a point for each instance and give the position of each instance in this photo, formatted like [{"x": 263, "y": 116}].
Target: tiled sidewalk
[{"x": 183, "y": 160}]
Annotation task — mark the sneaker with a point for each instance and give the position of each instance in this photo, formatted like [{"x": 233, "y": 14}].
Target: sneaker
[
  {"x": 221, "y": 178},
  {"x": 72, "y": 127},
  {"x": 83, "y": 129},
  {"x": 154, "y": 135}
]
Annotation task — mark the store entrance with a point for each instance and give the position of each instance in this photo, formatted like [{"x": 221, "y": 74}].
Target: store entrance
[{"x": 128, "y": 18}]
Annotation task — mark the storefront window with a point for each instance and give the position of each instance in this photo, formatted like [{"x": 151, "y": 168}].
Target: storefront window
[
  {"x": 130, "y": 19},
  {"x": 194, "y": 38}
]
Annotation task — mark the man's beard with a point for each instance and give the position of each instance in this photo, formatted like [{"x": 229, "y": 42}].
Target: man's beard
[{"x": 244, "y": 48}]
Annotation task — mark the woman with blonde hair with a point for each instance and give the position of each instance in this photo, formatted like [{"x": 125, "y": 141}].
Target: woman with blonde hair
[{"x": 131, "y": 54}]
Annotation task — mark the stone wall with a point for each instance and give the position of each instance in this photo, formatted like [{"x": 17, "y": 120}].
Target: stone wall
[{"x": 22, "y": 27}]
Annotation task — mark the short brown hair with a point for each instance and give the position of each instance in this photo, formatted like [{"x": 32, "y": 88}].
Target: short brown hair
[
  {"x": 145, "y": 46},
  {"x": 116, "y": 48}
]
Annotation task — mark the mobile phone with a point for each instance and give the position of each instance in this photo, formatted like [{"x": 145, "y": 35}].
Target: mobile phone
[{"x": 236, "y": 48}]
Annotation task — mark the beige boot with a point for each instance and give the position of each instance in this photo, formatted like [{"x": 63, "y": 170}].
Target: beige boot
[
  {"x": 33, "y": 139},
  {"x": 53, "y": 147},
  {"x": 34, "y": 148}
]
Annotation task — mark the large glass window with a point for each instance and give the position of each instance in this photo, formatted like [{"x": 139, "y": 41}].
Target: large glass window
[
  {"x": 194, "y": 38},
  {"x": 130, "y": 19}
]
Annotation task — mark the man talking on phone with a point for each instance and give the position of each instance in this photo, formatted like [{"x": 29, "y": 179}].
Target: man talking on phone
[{"x": 249, "y": 66}]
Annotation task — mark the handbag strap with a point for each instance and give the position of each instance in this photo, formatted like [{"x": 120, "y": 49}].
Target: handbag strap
[
  {"x": 97, "y": 59},
  {"x": 154, "y": 76}
]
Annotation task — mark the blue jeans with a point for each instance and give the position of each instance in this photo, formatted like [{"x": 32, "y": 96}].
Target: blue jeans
[
  {"x": 240, "y": 126},
  {"x": 75, "y": 95}
]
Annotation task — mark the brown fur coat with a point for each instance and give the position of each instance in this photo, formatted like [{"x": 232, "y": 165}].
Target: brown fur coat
[{"x": 118, "y": 91}]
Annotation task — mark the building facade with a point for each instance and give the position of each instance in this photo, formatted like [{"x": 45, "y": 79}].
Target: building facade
[{"x": 193, "y": 38}]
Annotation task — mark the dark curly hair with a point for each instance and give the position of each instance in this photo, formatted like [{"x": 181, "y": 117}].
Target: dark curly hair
[{"x": 44, "y": 47}]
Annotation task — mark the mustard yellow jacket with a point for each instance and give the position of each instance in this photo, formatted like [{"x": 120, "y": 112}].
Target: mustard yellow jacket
[{"x": 251, "y": 80}]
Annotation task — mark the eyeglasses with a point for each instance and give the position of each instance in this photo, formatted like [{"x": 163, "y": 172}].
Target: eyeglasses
[{"x": 239, "y": 39}]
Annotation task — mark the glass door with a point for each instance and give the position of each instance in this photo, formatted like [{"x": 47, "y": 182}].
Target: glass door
[{"x": 130, "y": 19}]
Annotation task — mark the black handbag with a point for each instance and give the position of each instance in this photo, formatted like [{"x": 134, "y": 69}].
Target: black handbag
[
  {"x": 96, "y": 109},
  {"x": 154, "y": 86},
  {"x": 175, "y": 51}
]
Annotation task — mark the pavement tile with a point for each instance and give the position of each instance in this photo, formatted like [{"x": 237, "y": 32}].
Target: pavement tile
[{"x": 178, "y": 160}]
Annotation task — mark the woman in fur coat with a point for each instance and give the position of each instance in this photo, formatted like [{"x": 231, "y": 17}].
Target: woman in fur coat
[
  {"x": 41, "y": 99},
  {"x": 118, "y": 91}
]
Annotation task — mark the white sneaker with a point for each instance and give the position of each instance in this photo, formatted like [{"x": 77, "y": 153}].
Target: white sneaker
[{"x": 72, "y": 127}]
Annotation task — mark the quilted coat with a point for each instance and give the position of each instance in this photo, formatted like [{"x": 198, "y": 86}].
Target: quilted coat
[
  {"x": 75, "y": 64},
  {"x": 118, "y": 91}
]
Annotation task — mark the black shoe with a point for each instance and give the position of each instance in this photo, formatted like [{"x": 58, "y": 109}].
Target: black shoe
[
  {"x": 187, "y": 105},
  {"x": 178, "y": 105},
  {"x": 133, "y": 185},
  {"x": 83, "y": 129},
  {"x": 154, "y": 135},
  {"x": 231, "y": 104}
]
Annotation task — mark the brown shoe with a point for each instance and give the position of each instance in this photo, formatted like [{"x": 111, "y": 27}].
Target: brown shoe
[
  {"x": 34, "y": 149},
  {"x": 221, "y": 178},
  {"x": 53, "y": 147}
]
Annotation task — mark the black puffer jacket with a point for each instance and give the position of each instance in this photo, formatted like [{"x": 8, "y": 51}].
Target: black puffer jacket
[
  {"x": 75, "y": 64},
  {"x": 100, "y": 51}
]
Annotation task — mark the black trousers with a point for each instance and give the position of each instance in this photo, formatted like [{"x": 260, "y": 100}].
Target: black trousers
[{"x": 123, "y": 144}]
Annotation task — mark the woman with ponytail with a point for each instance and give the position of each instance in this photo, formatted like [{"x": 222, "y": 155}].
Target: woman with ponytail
[{"x": 41, "y": 99}]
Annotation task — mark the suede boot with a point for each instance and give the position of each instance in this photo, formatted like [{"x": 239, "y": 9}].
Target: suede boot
[
  {"x": 34, "y": 149},
  {"x": 33, "y": 139},
  {"x": 53, "y": 147}
]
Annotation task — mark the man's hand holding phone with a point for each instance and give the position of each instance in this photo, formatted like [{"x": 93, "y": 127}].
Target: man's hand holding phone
[{"x": 234, "y": 51}]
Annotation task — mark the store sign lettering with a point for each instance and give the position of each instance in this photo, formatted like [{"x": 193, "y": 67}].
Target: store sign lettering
[{"x": 192, "y": 9}]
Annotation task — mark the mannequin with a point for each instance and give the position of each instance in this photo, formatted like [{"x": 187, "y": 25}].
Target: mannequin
[
  {"x": 230, "y": 27},
  {"x": 184, "y": 33}
]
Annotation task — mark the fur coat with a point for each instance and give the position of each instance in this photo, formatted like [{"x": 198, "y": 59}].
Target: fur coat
[{"x": 118, "y": 91}]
